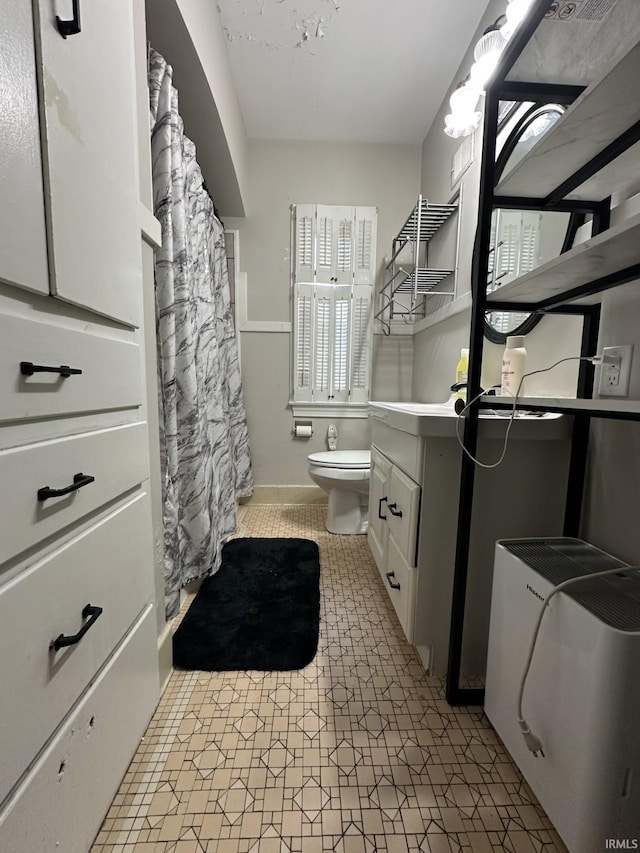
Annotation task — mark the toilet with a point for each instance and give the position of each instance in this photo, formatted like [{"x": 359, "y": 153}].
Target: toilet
[{"x": 344, "y": 475}]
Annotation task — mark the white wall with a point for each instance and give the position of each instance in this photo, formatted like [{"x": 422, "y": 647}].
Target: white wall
[
  {"x": 282, "y": 174},
  {"x": 612, "y": 496}
]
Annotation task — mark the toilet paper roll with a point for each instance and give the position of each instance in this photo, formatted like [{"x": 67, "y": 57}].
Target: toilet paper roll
[{"x": 303, "y": 431}]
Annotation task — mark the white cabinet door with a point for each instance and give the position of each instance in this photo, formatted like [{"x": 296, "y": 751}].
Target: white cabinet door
[
  {"x": 23, "y": 242},
  {"x": 402, "y": 513},
  {"x": 378, "y": 532},
  {"x": 401, "y": 586},
  {"x": 91, "y": 175}
]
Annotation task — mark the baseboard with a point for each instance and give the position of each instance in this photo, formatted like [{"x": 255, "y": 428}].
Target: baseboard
[
  {"x": 165, "y": 656},
  {"x": 285, "y": 495}
]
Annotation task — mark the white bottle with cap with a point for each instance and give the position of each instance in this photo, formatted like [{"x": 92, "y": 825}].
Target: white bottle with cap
[{"x": 514, "y": 365}]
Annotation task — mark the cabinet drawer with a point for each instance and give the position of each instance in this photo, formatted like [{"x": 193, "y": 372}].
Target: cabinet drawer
[
  {"x": 47, "y": 600},
  {"x": 400, "y": 581},
  {"x": 110, "y": 375},
  {"x": 117, "y": 458},
  {"x": 60, "y": 805},
  {"x": 402, "y": 448},
  {"x": 402, "y": 509}
]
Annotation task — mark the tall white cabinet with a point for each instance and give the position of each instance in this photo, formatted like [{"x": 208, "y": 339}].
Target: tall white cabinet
[{"x": 78, "y": 631}]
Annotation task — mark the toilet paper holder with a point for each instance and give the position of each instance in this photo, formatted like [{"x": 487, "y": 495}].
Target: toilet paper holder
[{"x": 302, "y": 429}]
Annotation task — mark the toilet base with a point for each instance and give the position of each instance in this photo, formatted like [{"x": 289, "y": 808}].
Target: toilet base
[{"x": 347, "y": 512}]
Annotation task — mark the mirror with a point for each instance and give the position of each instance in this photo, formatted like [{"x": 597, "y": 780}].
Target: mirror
[{"x": 521, "y": 240}]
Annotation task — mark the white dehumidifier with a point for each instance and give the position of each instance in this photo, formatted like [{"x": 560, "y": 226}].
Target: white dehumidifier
[{"x": 582, "y": 694}]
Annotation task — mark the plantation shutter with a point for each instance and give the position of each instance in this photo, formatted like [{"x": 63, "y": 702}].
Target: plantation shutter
[
  {"x": 325, "y": 244},
  {"x": 334, "y": 247},
  {"x": 304, "y": 240},
  {"x": 508, "y": 247},
  {"x": 344, "y": 237},
  {"x": 365, "y": 245},
  {"x": 341, "y": 355},
  {"x": 303, "y": 343},
  {"x": 361, "y": 343},
  {"x": 530, "y": 241},
  {"x": 322, "y": 311}
]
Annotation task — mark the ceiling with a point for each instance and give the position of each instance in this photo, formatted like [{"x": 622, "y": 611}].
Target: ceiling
[{"x": 345, "y": 70}]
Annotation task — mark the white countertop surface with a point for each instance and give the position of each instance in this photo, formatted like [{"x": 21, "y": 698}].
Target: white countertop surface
[{"x": 439, "y": 419}]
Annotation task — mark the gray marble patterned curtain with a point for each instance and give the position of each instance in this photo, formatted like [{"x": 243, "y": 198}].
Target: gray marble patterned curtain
[{"x": 206, "y": 462}]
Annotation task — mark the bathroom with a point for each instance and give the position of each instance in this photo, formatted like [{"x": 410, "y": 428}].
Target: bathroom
[{"x": 263, "y": 178}]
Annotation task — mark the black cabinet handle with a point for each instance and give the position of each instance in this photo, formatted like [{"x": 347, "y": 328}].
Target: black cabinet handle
[
  {"x": 72, "y": 27},
  {"x": 380, "y": 515},
  {"x": 87, "y": 611},
  {"x": 79, "y": 480},
  {"x": 390, "y": 582},
  {"x": 28, "y": 368},
  {"x": 394, "y": 511}
]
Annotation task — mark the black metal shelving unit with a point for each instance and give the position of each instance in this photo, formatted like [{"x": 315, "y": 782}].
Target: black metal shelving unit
[{"x": 566, "y": 285}]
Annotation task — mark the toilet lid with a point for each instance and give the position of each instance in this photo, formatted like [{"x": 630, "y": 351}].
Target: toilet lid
[{"x": 342, "y": 458}]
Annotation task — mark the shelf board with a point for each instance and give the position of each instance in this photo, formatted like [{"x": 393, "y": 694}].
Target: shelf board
[
  {"x": 425, "y": 220},
  {"x": 604, "y": 111},
  {"x": 611, "y": 178},
  {"x": 422, "y": 280},
  {"x": 607, "y": 254},
  {"x": 603, "y": 407}
]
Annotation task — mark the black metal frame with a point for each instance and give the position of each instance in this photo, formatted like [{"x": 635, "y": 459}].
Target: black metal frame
[{"x": 599, "y": 209}]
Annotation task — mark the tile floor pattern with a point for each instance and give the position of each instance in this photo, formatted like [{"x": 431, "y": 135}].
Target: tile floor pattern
[{"x": 356, "y": 753}]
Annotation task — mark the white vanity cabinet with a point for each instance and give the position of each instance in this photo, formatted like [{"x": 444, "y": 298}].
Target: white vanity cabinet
[
  {"x": 394, "y": 503},
  {"x": 78, "y": 625},
  {"x": 415, "y": 471}
]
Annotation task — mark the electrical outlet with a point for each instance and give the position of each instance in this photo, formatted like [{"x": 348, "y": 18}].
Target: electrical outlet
[{"x": 614, "y": 374}]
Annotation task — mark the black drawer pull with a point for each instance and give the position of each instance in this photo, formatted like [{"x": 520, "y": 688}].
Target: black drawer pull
[
  {"x": 380, "y": 515},
  {"x": 394, "y": 511},
  {"x": 89, "y": 610},
  {"x": 28, "y": 368},
  {"x": 72, "y": 27},
  {"x": 391, "y": 583},
  {"x": 79, "y": 480}
]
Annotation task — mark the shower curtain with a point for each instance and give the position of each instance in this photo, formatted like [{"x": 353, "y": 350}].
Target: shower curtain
[{"x": 205, "y": 456}]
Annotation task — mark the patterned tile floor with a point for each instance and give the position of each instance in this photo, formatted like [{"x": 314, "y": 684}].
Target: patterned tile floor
[{"x": 356, "y": 753}]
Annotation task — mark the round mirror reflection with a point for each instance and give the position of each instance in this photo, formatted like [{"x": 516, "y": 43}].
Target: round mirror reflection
[{"x": 521, "y": 240}]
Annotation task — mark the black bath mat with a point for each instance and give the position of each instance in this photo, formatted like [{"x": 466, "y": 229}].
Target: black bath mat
[{"x": 261, "y": 610}]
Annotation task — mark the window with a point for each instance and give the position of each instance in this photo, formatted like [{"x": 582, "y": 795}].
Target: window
[{"x": 334, "y": 273}]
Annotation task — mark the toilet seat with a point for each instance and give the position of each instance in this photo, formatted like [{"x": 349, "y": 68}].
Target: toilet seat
[{"x": 345, "y": 459}]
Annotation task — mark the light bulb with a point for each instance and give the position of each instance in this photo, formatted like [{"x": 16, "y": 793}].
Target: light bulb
[
  {"x": 486, "y": 54},
  {"x": 515, "y": 13},
  {"x": 463, "y": 118}
]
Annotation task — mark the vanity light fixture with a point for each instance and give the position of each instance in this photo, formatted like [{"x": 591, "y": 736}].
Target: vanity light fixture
[{"x": 463, "y": 118}]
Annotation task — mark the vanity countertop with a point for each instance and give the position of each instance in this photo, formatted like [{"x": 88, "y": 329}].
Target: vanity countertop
[{"x": 439, "y": 420}]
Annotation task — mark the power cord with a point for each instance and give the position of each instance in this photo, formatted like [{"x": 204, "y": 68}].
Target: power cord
[
  {"x": 594, "y": 359},
  {"x": 532, "y": 741}
]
